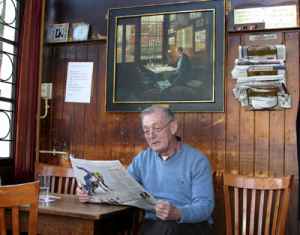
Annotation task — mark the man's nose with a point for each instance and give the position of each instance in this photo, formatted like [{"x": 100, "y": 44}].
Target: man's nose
[{"x": 152, "y": 133}]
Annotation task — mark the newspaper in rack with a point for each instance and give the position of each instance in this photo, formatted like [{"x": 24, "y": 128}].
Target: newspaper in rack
[{"x": 109, "y": 182}]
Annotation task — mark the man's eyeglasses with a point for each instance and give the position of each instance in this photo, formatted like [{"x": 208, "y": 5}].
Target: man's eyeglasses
[{"x": 156, "y": 130}]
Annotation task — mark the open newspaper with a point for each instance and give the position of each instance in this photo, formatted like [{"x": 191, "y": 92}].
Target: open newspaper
[{"x": 109, "y": 182}]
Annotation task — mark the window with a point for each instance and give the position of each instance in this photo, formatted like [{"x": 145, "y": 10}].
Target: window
[
  {"x": 151, "y": 37},
  {"x": 9, "y": 19},
  {"x": 130, "y": 43},
  {"x": 184, "y": 38},
  {"x": 119, "y": 43},
  {"x": 125, "y": 47}
]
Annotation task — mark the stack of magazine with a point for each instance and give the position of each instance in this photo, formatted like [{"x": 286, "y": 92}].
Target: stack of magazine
[
  {"x": 260, "y": 74},
  {"x": 109, "y": 182}
]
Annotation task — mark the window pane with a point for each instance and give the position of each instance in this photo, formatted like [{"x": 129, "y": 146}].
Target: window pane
[
  {"x": 185, "y": 38},
  {"x": 5, "y": 130},
  {"x": 8, "y": 12},
  {"x": 119, "y": 43},
  {"x": 6, "y": 67},
  {"x": 4, "y": 149},
  {"x": 200, "y": 40},
  {"x": 130, "y": 43},
  {"x": 8, "y": 32},
  {"x": 151, "y": 37},
  {"x": 5, "y": 106},
  {"x": 6, "y": 90},
  {"x": 6, "y": 47}
]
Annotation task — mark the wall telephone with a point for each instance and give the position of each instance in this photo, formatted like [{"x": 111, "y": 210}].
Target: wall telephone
[
  {"x": 46, "y": 94},
  {"x": 46, "y": 91}
]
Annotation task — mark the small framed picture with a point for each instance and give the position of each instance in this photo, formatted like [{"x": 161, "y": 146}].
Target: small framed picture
[
  {"x": 80, "y": 31},
  {"x": 58, "y": 32}
]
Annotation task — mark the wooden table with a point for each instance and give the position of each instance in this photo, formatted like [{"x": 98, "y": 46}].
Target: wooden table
[{"x": 68, "y": 216}]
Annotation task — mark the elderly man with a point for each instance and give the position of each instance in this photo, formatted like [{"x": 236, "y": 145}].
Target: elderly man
[{"x": 176, "y": 174}]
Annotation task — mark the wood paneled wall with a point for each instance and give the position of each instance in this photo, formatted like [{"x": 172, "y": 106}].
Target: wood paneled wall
[{"x": 261, "y": 143}]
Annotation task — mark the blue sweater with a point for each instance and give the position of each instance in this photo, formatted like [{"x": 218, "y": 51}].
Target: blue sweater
[{"x": 184, "y": 180}]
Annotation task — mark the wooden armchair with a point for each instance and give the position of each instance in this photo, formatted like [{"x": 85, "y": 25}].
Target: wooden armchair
[
  {"x": 14, "y": 196},
  {"x": 61, "y": 178},
  {"x": 256, "y": 205}
]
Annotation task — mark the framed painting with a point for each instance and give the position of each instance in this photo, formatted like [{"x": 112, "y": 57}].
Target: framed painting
[{"x": 170, "y": 54}]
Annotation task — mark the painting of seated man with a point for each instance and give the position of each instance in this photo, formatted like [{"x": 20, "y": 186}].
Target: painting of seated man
[{"x": 168, "y": 57}]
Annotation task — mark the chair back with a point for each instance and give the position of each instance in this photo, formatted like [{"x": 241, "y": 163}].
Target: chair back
[
  {"x": 14, "y": 196},
  {"x": 256, "y": 205},
  {"x": 61, "y": 179}
]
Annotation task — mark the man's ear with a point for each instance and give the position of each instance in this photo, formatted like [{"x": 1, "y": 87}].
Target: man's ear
[{"x": 174, "y": 127}]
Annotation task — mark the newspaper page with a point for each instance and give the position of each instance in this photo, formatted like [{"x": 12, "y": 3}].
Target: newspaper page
[{"x": 109, "y": 182}]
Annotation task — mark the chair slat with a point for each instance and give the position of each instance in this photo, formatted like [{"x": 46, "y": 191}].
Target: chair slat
[
  {"x": 268, "y": 212},
  {"x": 15, "y": 220},
  {"x": 236, "y": 212},
  {"x": 73, "y": 186},
  {"x": 2, "y": 222},
  {"x": 66, "y": 185},
  {"x": 59, "y": 187},
  {"x": 244, "y": 225},
  {"x": 283, "y": 211},
  {"x": 261, "y": 211},
  {"x": 52, "y": 183},
  {"x": 276, "y": 209},
  {"x": 252, "y": 212},
  {"x": 228, "y": 211},
  {"x": 33, "y": 220}
]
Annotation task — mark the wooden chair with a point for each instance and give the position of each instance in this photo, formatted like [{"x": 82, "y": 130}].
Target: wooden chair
[
  {"x": 61, "y": 179},
  {"x": 256, "y": 205},
  {"x": 14, "y": 196}
]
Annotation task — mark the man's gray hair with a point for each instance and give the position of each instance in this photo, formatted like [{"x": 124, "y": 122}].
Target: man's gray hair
[{"x": 169, "y": 115}]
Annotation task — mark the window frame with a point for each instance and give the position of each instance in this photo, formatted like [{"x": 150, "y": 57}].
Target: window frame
[{"x": 8, "y": 161}]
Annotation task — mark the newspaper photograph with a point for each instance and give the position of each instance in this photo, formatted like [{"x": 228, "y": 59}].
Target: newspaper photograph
[{"x": 109, "y": 182}]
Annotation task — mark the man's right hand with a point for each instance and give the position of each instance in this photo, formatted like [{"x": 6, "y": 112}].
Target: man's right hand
[{"x": 82, "y": 194}]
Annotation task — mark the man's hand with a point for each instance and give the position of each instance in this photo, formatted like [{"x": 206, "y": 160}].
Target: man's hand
[
  {"x": 82, "y": 194},
  {"x": 165, "y": 211}
]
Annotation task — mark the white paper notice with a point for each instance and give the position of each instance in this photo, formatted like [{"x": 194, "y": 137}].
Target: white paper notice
[
  {"x": 79, "y": 82},
  {"x": 273, "y": 17}
]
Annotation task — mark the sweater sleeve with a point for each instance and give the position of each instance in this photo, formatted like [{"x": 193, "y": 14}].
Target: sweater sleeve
[
  {"x": 202, "y": 202},
  {"x": 134, "y": 169}
]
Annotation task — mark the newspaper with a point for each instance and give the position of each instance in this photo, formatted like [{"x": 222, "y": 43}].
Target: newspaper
[
  {"x": 243, "y": 61},
  {"x": 270, "y": 52},
  {"x": 109, "y": 182},
  {"x": 240, "y": 71}
]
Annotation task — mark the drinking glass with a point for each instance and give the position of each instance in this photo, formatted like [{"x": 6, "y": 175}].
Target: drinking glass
[{"x": 44, "y": 189}]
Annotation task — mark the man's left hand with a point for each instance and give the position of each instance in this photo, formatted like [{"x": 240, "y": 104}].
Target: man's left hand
[{"x": 165, "y": 211}]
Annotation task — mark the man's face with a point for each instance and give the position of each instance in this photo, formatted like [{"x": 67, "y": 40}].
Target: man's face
[{"x": 159, "y": 131}]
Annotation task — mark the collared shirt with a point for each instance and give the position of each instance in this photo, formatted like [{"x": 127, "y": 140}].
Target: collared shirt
[
  {"x": 184, "y": 180},
  {"x": 179, "y": 61}
]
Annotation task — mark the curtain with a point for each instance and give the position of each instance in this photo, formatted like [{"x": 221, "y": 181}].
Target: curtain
[
  {"x": 27, "y": 90},
  {"x": 298, "y": 154}
]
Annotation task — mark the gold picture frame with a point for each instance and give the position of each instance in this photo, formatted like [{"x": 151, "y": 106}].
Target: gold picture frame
[{"x": 170, "y": 54}]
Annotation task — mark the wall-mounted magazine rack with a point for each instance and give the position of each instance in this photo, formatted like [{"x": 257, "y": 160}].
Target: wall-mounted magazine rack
[{"x": 260, "y": 74}]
